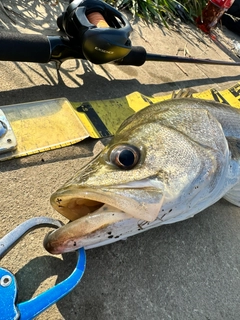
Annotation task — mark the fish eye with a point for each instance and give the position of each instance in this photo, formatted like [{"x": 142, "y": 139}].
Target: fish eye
[{"x": 124, "y": 156}]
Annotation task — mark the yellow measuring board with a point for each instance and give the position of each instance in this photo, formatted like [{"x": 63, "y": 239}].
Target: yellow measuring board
[
  {"x": 51, "y": 124},
  {"x": 42, "y": 126},
  {"x": 102, "y": 118}
]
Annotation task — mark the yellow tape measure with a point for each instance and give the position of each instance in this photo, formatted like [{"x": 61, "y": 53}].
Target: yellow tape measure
[
  {"x": 102, "y": 118},
  {"x": 51, "y": 124}
]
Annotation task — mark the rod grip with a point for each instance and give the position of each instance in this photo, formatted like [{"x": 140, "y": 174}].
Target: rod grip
[
  {"x": 24, "y": 47},
  {"x": 136, "y": 57}
]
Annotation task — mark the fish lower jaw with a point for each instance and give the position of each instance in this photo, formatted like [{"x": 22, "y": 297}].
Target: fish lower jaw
[
  {"x": 96, "y": 230},
  {"x": 124, "y": 230},
  {"x": 68, "y": 238}
]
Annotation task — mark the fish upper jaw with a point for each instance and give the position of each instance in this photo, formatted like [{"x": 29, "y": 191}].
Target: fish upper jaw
[{"x": 142, "y": 199}]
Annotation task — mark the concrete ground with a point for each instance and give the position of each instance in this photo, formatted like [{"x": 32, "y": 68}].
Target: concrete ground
[{"x": 189, "y": 270}]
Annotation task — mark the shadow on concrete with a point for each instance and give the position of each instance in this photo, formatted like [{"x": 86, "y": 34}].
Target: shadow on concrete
[
  {"x": 36, "y": 16},
  {"x": 95, "y": 86},
  {"x": 79, "y": 151}
]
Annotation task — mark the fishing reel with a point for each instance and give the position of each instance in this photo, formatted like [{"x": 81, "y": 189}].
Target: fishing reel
[{"x": 103, "y": 32}]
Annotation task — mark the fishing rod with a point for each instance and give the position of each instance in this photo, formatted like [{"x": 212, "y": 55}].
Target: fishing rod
[
  {"x": 139, "y": 54},
  {"x": 91, "y": 30}
]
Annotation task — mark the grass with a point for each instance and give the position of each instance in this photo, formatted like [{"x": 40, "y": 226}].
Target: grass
[{"x": 162, "y": 11}]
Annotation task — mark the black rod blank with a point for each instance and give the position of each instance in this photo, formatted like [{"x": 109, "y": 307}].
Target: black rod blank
[
  {"x": 138, "y": 56},
  {"x": 159, "y": 57}
]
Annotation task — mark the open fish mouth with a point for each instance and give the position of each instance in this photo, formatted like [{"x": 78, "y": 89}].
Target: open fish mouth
[
  {"x": 142, "y": 199},
  {"x": 75, "y": 204},
  {"x": 89, "y": 221},
  {"x": 92, "y": 212}
]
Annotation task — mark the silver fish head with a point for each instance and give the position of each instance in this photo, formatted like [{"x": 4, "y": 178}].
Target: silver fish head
[{"x": 162, "y": 163}]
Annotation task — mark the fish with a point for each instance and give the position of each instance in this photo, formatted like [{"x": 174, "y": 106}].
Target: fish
[{"x": 166, "y": 163}]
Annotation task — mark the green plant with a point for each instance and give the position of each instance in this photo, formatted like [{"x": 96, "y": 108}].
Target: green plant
[
  {"x": 161, "y": 10},
  {"x": 193, "y": 7}
]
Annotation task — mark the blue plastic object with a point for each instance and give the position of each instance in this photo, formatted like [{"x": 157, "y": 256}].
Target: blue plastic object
[
  {"x": 8, "y": 295},
  {"x": 27, "y": 310},
  {"x": 9, "y": 308}
]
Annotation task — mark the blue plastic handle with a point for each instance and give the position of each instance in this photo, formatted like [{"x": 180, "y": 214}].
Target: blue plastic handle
[
  {"x": 8, "y": 295},
  {"x": 32, "y": 308}
]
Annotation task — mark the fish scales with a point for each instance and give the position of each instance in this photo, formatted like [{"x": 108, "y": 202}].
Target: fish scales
[{"x": 166, "y": 163}]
